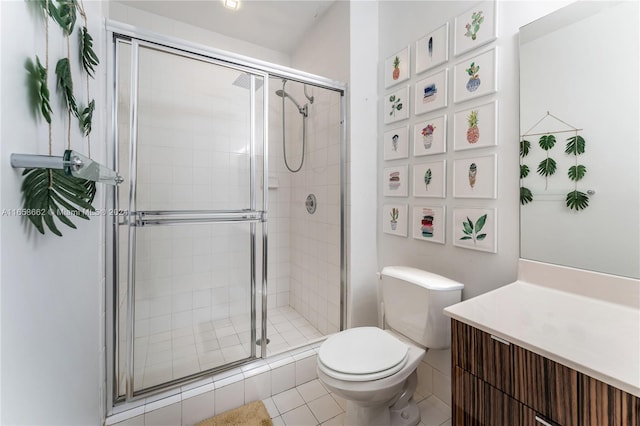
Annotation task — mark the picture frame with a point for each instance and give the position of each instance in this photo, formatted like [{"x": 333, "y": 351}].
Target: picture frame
[
  {"x": 396, "y": 105},
  {"x": 475, "y": 177},
  {"x": 431, "y": 93},
  {"x": 432, "y": 49},
  {"x": 430, "y": 136},
  {"x": 395, "y": 182},
  {"x": 429, "y": 179},
  {"x": 396, "y": 143},
  {"x": 475, "y": 229},
  {"x": 476, "y": 76},
  {"x": 394, "y": 219},
  {"x": 475, "y": 27},
  {"x": 428, "y": 223},
  {"x": 396, "y": 68},
  {"x": 476, "y": 127}
]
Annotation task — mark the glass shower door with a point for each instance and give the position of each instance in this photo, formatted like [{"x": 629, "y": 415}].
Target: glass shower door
[{"x": 191, "y": 243}]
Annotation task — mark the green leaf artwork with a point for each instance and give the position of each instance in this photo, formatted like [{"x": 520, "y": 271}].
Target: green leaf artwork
[
  {"x": 525, "y": 195},
  {"x": 89, "y": 57},
  {"x": 547, "y": 142},
  {"x": 65, "y": 84},
  {"x": 427, "y": 178},
  {"x": 524, "y": 171},
  {"x": 85, "y": 117},
  {"x": 577, "y": 172},
  {"x": 577, "y": 200},
  {"x": 547, "y": 167},
  {"x": 50, "y": 194},
  {"x": 38, "y": 90},
  {"x": 575, "y": 145},
  {"x": 525, "y": 146},
  {"x": 471, "y": 230},
  {"x": 396, "y": 104}
]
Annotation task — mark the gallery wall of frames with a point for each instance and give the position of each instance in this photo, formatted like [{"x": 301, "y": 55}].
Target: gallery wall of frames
[{"x": 454, "y": 65}]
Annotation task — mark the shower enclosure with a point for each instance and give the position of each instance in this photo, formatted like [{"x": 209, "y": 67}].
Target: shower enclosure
[{"x": 215, "y": 259}]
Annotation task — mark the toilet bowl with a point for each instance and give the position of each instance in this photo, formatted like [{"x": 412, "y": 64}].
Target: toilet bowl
[
  {"x": 375, "y": 369},
  {"x": 378, "y": 382}
]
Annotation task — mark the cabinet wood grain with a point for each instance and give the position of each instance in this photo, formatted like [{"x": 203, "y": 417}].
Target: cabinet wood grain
[{"x": 500, "y": 384}]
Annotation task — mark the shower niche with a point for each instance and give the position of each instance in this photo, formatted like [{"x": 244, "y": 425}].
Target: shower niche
[{"x": 213, "y": 267}]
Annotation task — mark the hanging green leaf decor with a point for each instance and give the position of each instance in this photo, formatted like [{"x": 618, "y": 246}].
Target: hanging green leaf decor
[
  {"x": 525, "y": 195},
  {"x": 547, "y": 142},
  {"x": 65, "y": 84},
  {"x": 575, "y": 145},
  {"x": 577, "y": 172},
  {"x": 50, "y": 194},
  {"x": 85, "y": 118},
  {"x": 39, "y": 92},
  {"x": 577, "y": 200},
  {"x": 525, "y": 146},
  {"x": 89, "y": 57},
  {"x": 547, "y": 167}
]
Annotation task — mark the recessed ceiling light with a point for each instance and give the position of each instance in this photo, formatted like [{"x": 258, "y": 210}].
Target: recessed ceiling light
[{"x": 232, "y": 4}]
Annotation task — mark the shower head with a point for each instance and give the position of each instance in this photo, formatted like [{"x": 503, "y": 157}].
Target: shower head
[{"x": 303, "y": 110}]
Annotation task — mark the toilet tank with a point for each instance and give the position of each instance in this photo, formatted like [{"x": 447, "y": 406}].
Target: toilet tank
[{"x": 412, "y": 304}]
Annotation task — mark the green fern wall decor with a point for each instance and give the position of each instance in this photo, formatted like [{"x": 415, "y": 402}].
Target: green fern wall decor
[{"x": 50, "y": 194}]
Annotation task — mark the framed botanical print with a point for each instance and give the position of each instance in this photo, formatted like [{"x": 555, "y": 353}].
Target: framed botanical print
[
  {"x": 396, "y": 68},
  {"x": 396, "y": 143},
  {"x": 432, "y": 49},
  {"x": 475, "y": 27},
  {"x": 475, "y": 77}
]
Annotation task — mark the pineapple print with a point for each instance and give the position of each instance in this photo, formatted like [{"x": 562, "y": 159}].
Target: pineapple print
[
  {"x": 473, "y": 133},
  {"x": 396, "y": 68}
]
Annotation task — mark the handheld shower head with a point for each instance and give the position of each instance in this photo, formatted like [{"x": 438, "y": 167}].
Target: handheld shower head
[{"x": 302, "y": 109}]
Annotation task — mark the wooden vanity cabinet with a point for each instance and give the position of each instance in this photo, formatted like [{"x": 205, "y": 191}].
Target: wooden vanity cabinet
[{"x": 497, "y": 383}]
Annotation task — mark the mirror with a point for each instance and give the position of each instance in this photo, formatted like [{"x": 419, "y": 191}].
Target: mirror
[{"x": 579, "y": 84}]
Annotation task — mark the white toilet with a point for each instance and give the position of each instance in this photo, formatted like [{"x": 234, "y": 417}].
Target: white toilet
[{"x": 373, "y": 369}]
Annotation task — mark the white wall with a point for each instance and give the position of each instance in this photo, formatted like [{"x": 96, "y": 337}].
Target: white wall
[
  {"x": 51, "y": 287},
  {"x": 362, "y": 169},
  {"x": 172, "y": 28}
]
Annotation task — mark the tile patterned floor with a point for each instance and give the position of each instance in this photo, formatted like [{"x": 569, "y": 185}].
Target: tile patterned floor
[
  {"x": 171, "y": 355},
  {"x": 310, "y": 404}
]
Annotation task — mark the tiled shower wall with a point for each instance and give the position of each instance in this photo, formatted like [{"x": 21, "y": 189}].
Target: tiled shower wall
[{"x": 314, "y": 238}]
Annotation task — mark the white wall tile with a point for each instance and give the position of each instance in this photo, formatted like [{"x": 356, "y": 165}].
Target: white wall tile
[
  {"x": 229, "y": 397},
  {"x": 283, "y": 378},
  {"x": 198, "y": 408},
  {"x": 170, "y": 415}
]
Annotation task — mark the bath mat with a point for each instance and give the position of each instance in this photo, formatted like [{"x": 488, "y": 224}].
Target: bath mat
[{"x": 251, "y": 414}]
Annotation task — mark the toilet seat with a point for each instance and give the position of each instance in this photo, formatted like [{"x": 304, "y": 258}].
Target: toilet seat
[{"x": 362, "y": 354}]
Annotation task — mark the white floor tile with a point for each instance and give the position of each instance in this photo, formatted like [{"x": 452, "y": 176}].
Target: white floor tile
[
  {"x": 324, "y": 408},
  {"x": 301, "y": 416},
  {"x": 288, "y": 400},
  {"x": 434, "y": 412},
  {"x": 312, "y": 390}
]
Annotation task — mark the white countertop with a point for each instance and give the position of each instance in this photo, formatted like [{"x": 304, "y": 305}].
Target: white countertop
[{"x": 597, "y": 337}]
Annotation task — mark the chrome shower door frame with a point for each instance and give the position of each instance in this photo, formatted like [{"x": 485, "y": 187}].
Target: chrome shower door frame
[
  {"x": 135, "y": 219},
  {"x": 123, "y": 33}
]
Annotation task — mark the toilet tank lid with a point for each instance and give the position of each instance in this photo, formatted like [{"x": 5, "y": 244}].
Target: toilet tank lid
[{"x": 422, "y": 278}]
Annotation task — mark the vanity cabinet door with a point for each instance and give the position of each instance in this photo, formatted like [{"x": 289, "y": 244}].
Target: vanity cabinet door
[
  {"x": 468, "y": 402},
  {"x": 546, "y": 386},
  {"x": 483, "y": 355},
  {"x": 604, "y": 405},
  {"x": 476, "y": 403}
]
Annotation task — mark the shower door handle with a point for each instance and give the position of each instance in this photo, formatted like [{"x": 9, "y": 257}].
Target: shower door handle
[{"x": 147, "y": 218}]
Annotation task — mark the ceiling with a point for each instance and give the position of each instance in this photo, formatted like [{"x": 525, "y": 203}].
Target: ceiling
[{"x": 277, "y": 25}]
